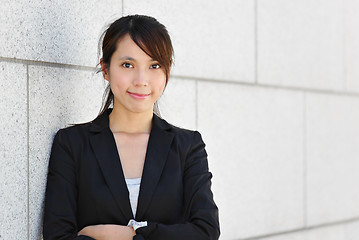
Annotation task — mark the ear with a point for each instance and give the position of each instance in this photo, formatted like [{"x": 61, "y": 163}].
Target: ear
[{"x": 104, "y": 69}]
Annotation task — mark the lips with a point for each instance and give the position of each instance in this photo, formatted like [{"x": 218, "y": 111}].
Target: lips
[{"x": 139, "y": 95}]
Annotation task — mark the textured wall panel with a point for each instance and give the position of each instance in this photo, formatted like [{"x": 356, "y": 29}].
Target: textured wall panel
[
  {"x": 351, "y": 36},
  {"x": 178, "y": 103},
  {"x": 58, "y": 97},
  {"x": 346, "y": 231},
  {"x": 254, "y": 141},
  {"x": 54, "y": 31},
  {"x": 212, "y": 39},
  {"x": 13, "y": 151},
  {"x": 300, "y": 43},
  {"x": 332, "y": 157}
]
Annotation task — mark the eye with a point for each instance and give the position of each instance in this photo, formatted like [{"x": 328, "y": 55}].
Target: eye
[
  {"x": 127, "y": 65},
  {"x": 155, "y": 66}
]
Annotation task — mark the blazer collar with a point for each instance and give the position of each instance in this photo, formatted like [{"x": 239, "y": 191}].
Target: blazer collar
[
  {"x": 104, "y": 147},
  {"x": 102, "y": 122}
]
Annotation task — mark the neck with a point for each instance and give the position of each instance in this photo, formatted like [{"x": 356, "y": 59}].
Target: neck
[{"x": 130, "y": 122}]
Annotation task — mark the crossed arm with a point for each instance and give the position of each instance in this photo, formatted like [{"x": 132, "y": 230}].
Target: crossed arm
[
  {"x": 108, "y": 232},
  {"x": 61, "y": 222}
]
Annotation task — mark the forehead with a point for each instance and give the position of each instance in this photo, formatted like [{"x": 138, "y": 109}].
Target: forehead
[{"x": 127, "y": 47}]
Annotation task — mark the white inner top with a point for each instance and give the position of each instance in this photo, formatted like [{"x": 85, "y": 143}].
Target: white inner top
[{"x": 133, "y": 186}]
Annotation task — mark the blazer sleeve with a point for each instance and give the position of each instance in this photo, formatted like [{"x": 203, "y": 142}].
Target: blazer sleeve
[
  {"x": 60, "y": 210},
  {"x": 201, "y": 211}
]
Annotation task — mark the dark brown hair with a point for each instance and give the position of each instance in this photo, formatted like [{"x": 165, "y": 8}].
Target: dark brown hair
[{"x": 149, "y": 34}]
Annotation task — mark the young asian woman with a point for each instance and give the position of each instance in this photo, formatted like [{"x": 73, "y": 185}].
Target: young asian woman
[{"x": 129, "y": 174}]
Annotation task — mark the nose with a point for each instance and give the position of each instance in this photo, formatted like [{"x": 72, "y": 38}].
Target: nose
[{"x": 141, "y": 77}]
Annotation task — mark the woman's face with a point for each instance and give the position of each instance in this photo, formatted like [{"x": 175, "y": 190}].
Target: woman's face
[{"x": 136, "y": 80}]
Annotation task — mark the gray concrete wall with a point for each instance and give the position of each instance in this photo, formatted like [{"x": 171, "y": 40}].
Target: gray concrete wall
[{"x": 272, "y": 85}]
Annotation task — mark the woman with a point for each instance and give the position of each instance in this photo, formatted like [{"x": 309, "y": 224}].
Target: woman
[{"x": 129, "y": 174}]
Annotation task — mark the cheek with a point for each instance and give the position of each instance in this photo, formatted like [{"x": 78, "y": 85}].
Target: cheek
[
  {"x": 161, "y": 86},
  {"x": 119, "y": 80},
  {"x": 161, "y": 83}
]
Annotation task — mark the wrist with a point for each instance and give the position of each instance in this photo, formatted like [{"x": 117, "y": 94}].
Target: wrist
[{"x": 132, "y": 230}]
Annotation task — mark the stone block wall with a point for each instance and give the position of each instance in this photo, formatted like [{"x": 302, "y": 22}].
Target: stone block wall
[{"x": 272, "y": 85}]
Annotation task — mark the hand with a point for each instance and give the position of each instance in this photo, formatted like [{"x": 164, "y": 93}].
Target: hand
[{"x": 108, "y": 232}]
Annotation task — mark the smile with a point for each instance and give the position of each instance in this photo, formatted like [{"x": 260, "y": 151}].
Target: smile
[{"x": 138, "y": 95}]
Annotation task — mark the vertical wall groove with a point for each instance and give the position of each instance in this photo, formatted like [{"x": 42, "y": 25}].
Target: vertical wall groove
[
  {"x": 122, "y": 7},
  {"x": 256, "y": 41},
  {"x": 345, "y": 87},
  {"x": 305, "y": 209},
  {"x": 196, "y": 104},
  {"x": 28, "y": 149}
]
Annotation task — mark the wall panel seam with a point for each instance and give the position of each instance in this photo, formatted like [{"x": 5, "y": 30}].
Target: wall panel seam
[
  {"x": 304, "y": 229},
  {"x": 196, "y": 104},
  {"x": 305, "y": 165},
  {"x": 256, "y": 41},
  {"x": 344, "y": 49},
  {"x": 49, "y": 64},
  {"x": 28, "y": 148},
  {"x": 122, "y": 6},
  {"x": 272, "y": 86}
]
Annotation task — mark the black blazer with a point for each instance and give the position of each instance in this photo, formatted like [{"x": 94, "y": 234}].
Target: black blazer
[{"x": 86, "y": 185}]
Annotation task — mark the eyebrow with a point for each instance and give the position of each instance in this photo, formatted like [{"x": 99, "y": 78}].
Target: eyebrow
[
  {"x": 127, "y": 58},
  {"x": 132, "y": 59}
]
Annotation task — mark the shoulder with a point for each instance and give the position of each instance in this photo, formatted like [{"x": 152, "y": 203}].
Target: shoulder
[
  {"x": 74, "y": 130},
  {"x": 192, "y": 146},
  {"x": 183, "y": 135},
  {"x": 73, "y": 134}
]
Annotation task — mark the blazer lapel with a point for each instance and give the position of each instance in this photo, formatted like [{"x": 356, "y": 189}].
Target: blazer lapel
[
  {"x": 104, "y": 146},
  {"x": 157, "y": 150}
]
